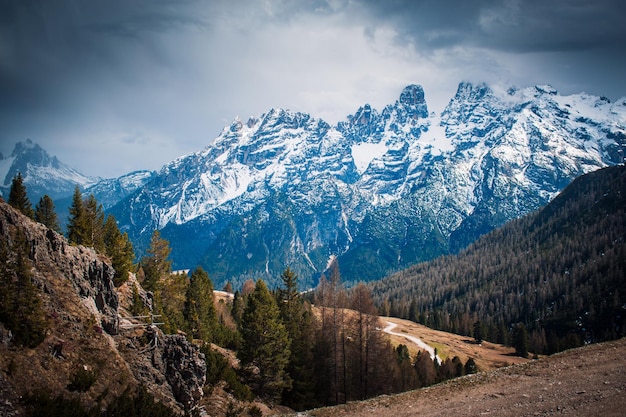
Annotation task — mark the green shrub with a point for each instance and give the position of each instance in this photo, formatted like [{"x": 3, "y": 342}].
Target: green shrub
[
  {"x": 82, "y": 379},
  {"x": 138, "y": 404}
]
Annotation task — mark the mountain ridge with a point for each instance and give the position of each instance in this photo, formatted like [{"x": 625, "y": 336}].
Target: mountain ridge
[
  {"x": 380, "y": 190},
  {"x": 42, "y": 173}
]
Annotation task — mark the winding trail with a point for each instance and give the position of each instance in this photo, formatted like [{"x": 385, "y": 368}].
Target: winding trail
[{"x": 416, "y": 340}]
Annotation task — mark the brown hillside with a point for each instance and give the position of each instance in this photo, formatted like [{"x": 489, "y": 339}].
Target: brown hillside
[
  {"x": 589, "y": 381},
  {"x": 488, "y": 356}
]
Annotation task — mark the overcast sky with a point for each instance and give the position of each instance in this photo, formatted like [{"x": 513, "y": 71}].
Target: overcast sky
[{"x": 113, "y": 86}]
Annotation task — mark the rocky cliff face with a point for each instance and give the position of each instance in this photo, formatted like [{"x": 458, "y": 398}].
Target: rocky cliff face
[
  {"x": 82, "y": 315},
  {"x": 57, "y": 262}
]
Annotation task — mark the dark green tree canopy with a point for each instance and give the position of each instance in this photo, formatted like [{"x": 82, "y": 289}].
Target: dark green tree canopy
[
  {"x": 156, "y": 263},
  {"x": 76, "y": 227},
  {"x": 200, "y": 311},
  {"x": 94, "y": 223},
  {"x": 118, "y": 247},
  {"x": 45, "y": 214},
  {"x": 265, "y": 351},
  {"x": 18, "y": 197}
]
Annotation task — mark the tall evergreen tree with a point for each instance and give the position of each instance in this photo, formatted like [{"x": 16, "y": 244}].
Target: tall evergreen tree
[
  {"x": 94, "y": 223},
  {"x": 200, "y": 313},
  {"x": 520, "y": 340},
  {"x": 478, "y": 332},
  {"x": 18, "y": 197},
  {"x": 76, "y": 227},
  {"x": 156, "y": 263},
  {"x": 21, "y": 309},
  {"x": 238, "y": 306},
  {"x": 298, "y": 320},
  {"x": 169, "y": 298},
  {"x": 45, "y": 214},
  {"x": 265, "y": 350},
  {"x": 118, "y": 247}
]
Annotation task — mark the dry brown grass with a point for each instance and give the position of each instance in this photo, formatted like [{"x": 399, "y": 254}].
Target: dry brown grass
[
  {"x": 589, "y": 381},
  {"x": 488, "y": 356}
]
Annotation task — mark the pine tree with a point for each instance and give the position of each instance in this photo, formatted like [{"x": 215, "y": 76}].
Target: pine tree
[
  {"x": 170, "y": 297},
  {"x": 520, "y": 340},
  {"x": 21, "y": 309},
  {"x": 18, "y": 197},
  {"x": 298, "y": 321},
  {"x": 94, "y": 224},
  {"x": 118, "y": 247},
  {"x": 426, "y": 369},
  {"x": 200, "y": 313},
  {"x": 137, "y": 308},
  {"x": 45, "y": 214},
  {"x": 156, "y": 263},
  {"x": 76, "y": 227},
  {"x": 470, "y": 367},
  {"x": 238, "y": 306},
  {"x": 265, "y": 350},
  {"x": 478, "y": 332}
]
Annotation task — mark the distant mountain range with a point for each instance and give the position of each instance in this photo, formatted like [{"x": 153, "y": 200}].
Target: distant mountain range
[{"x": 380, "y": 191}]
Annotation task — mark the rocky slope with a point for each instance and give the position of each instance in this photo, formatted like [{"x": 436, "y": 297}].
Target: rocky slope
[{"x": 82, "y": 318}]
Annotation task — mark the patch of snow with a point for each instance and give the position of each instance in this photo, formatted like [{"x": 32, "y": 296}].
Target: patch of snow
[
  {"x": 436, "y": 136},
  {"x": 330, "y": 261},
  {"x": 306, "y": 256},
  {"x": 364, "y": 153}
]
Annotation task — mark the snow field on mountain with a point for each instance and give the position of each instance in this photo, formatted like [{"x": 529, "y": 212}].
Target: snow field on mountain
[{"x": 364, "y": 153}]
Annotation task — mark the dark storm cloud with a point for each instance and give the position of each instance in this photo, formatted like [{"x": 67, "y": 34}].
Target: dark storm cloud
[
  {"x": 136, "y": 83},
  {"x": 47, "y": 45},
  {"x": 509, "y": 25}
]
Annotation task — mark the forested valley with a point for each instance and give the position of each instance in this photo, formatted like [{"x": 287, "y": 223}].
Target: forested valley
[
  {"x": 552, "y": 280},
  {"x": 294, "y": 349}
]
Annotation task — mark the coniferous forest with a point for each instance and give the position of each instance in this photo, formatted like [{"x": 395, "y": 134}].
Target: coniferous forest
[
  {"x": 557, "y": 276},
  {"x": 299, "y": 350},
  {"x": 552, "y": 280}
]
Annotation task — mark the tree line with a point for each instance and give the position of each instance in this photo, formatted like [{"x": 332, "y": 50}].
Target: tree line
[
  {"x": 87, "y": 225},
  {"x": 300, "y": 351}
]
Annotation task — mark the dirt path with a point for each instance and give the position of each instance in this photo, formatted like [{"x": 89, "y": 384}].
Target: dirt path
[
  {"x": 420, "y": 344},
  {"x": 590, "y": 381},
  {"x": 487, "y": 355}
]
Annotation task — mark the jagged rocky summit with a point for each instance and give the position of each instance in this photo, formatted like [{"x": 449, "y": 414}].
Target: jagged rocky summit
[
  {"x": 380, "y": 190},
  {"x": 42, "y": 173}
]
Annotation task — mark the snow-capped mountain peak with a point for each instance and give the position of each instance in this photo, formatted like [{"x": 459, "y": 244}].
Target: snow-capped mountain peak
[
  {"x": 42, "y": 173},
  {"x": 381, "y": 189}
]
